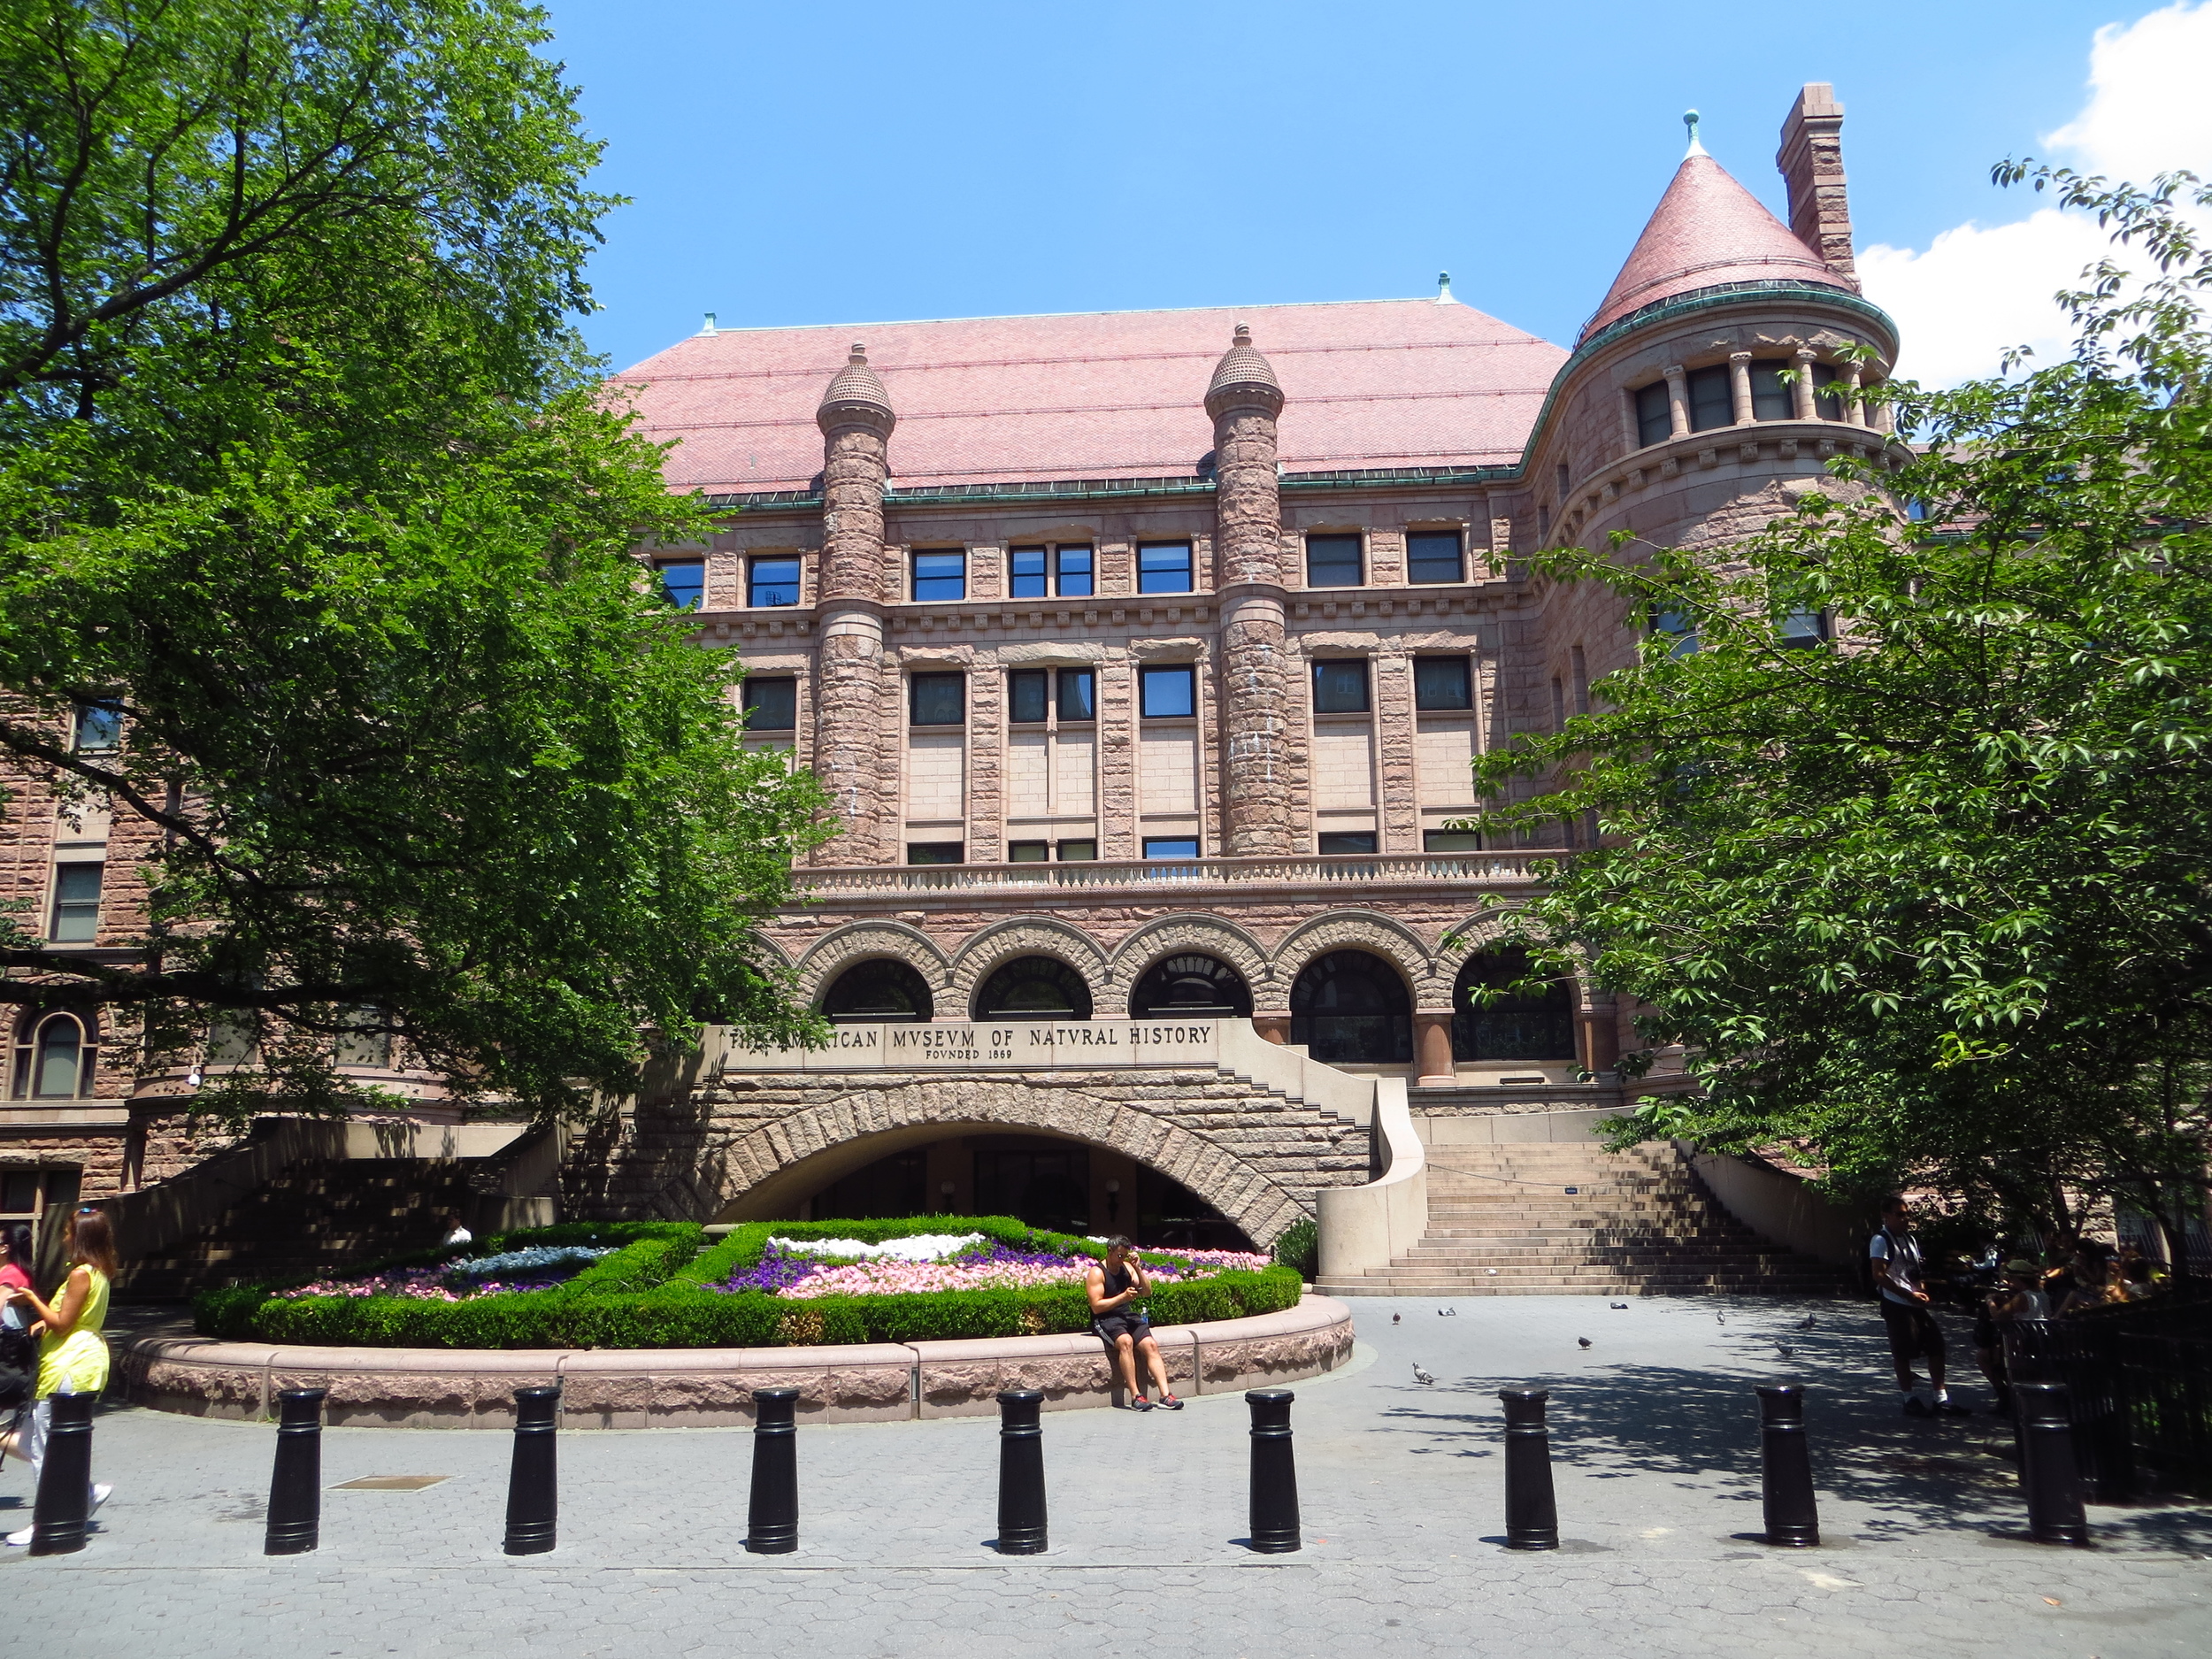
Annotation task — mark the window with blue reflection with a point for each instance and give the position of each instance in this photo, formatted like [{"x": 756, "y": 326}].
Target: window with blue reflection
[
  {"x": 773, "y": 582},
  {"x": 941, "y": 574},
  {"x": 1163, "y": 567},
  {"x": 683, "y": 582},
  {"x": 1078, "y": 693},
  {"x": 1167, "y": 693},
  {"x": 1170, "y": 846},
  {"x": 1433, "y": 555},
  {"x": 1026, "y": 575}
]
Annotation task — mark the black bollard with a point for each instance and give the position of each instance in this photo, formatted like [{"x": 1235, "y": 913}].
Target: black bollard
[
  {"x": 295, "y": 1483},
  {"x": 2048, "y": 1474},
  {"x": 1021, "y": 1473},
  {"x": 1786, "y": 1461},
  {"x": 1531, "y": 1517},
  {"x": 1274, "y": 1473},
  {"x": 533, "y": 1482},
  {"x": 64, "y": 1503},
  {"x": 771, "y": 1522}
]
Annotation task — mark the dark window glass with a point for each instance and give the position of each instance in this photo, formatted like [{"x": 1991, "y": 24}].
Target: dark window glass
[
  {"x": 1333, "y": 561},
  {"x": 1026, "y": 572},
  {"x": 1433, "y": 555},
  {"x": 934, "y": 853},
  {"x": 57, "y": 1072},
  {"x": 1516, "y": 1026},
  {"x": 1678, "y": 625},
  {"x": 897, "y": 1184},
  {"x": 1027, "y": 852},
  {"x": 77, "y": 902},
  {"x": 1339, "y": 843},
  {"x": 1654, "y": 418},
  {"x": 880, "y": 988},
  {"x": 773, "y": 582},
  {"x": 99, "y": 726},
  {"x": 1075, "y": 572},
  {"x": 1350, "y": 1006},
  {"x": 1711, "y": 402},
  {"x": 1190, "y": 987},
  {"x": 940, "y": 575},
  {"x": 1026, "y": 700},
  {"x": 1340, "y": 687},
  {"x": 1450, "y": 842},
  {"x": 1170, "y": 846},
  {"x": 1442, "y": 682},
  {"x": 1034, "y": 987},
  {"x": 1167, "y": 693},
  {"x": 1771, "y": 398},
  {"x": 1801, "y": 630},
  {"x": 683, "y": 582},
  {"x": 772, "y": 705},
  {"x": 1827, "y": 404},
  {"x": 1163, "y": 567},
  {"x": 939, "y": 699},
  {"x": 1078, "y": 852},
  {"x": 1078, "y": 695}
]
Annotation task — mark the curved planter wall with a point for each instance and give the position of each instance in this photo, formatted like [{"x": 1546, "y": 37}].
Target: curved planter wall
[{"x": 639, "y": 1388}]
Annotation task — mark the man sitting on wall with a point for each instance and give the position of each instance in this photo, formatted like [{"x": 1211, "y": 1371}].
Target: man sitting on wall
[{"x": 1115, "y": 1287}]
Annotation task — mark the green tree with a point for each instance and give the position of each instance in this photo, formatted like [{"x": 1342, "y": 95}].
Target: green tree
[
  {"x": 308, "y": 477},
  {"x": 1931, "y": 896}
]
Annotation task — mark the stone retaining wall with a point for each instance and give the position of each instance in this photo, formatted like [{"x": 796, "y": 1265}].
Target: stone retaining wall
[{"x": 637, "y": 1388}]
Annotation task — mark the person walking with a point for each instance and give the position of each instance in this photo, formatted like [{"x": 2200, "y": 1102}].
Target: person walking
[
  {"x": 72, "y": 1354},
  {"x": 19, "y": 1349},
  {"x": 1115, "y": 1286},
  {"x": 1913, "y": 1332}
]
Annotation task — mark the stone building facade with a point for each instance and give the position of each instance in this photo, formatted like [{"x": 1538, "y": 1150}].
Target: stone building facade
[{"x": 1144, "y": 655}]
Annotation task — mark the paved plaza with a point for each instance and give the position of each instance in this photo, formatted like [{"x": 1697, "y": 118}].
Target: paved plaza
[{"x": 1656, "y": 1460}]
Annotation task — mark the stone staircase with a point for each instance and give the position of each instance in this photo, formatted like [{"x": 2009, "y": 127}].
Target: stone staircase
[{"x": 1556, "y": 1218}]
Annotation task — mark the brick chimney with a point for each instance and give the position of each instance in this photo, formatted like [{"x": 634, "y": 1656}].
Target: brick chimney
[{"x": 1811, "y": 160}]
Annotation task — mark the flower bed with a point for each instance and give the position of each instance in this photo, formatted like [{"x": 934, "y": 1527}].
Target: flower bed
[{"x": 767, "y": 1283}]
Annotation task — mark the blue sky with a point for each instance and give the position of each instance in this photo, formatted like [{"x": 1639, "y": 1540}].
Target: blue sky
[{"x": 810, "y": 164}]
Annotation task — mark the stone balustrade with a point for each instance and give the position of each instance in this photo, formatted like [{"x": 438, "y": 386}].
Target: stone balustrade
[{"x": 1430, "y": 870}]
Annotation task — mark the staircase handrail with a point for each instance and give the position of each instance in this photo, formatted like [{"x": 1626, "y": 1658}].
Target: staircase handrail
[{"x": 1370, "y": 1227}]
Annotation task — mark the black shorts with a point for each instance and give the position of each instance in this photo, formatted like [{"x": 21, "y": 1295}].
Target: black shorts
[
  {"x": 1114, "y": 1327},
  {"x": 1913, "y": 1333}
]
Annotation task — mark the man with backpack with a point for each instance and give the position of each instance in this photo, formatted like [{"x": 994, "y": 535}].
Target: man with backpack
[{"x": 1913, "y": 1332}]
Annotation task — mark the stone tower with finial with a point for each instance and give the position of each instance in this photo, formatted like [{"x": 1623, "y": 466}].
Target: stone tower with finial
[{"x": 852, "y": 755}]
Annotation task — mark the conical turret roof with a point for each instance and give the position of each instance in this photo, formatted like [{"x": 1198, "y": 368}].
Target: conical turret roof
[
  {"x": 856, "y": 385},
  {"x": 1708, "y": 230},
  {"x": 1241, "y": 367}
]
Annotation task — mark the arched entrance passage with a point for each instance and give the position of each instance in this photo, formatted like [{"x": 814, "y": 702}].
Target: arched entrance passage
[
  {"x": 1349, "y": 1006},
  {"x": 1190, "y": 987},
  {"x": 1034, "y": 987},
  {"x": 1516, "y": 1027},
  {"x": 883, "y": 988}
]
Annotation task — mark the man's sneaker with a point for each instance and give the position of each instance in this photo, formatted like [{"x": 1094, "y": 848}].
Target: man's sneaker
[
  {"x": 1915, "y": 1407},
  {"x": 1953, "y": 1409},
  {"x": 1170, "y": 1402},
  {"x": 1138, "y": 1402},
  {"x": 18, "y": 1540}
]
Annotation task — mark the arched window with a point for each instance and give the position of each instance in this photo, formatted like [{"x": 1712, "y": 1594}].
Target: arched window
[
  {"x": 1351, "y": 1006},
  {"x": 1190, "y": 987},
  {"x": 55, "y": 1060},
  {"x": 1516, "y": 1026},
  {"x": 1034, "y": 987},
  {"x": 882, "y": 988}
]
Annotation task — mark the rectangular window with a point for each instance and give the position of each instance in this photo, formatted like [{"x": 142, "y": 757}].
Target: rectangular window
[
  {"x": 1654, "y": 414},
  {"x": 99, "y": 727},
  {"x": 1678, "y": 626},
  {"x": 1078, "y": 694},
  {"x": 1078, "y": 852},
  {"x": 1167, "y": 693},
  {"x": 1450, "y": 842},
  {"x": 1170, "y": 846},
  {"x": 1071, "y": 572},
  {"x": 1801, "y": 630},
  {"x": 683, "y": 582},
  {"x": 1344, "y": 842},
  {"x": 1333, "y": 561},
  {"x": 1163, "y": 567},
  {"x": 1442, "y": 682},
  {"x": 934, "y": 853},
  {"x": 1026, "y": 852},
  {"x": 363, "y": 1041},
  {"x": 77, "y": 904},
  {"x": 1771, "y": 398},
  {"x": 771, "y": 582},
  {"x": 938, "y": 699},
  {"x": 1026, "y": 701},
  {"x": 772, "y": 705},
  {"x": 1826, "y": 405},
  {"x": 941, "y": 575},
  {"x": 1711, "y": 402},
  {"x": 1433, "y": 555},
  {"x": 1037, "y": 572},
  {"x": 1340, "y": 687}
]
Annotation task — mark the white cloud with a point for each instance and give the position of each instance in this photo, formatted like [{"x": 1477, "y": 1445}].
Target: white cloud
[{"x": 1976, "y": 290}]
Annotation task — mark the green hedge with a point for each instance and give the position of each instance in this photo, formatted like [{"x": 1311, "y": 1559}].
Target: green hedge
[{"x": 654, "y": 1293}]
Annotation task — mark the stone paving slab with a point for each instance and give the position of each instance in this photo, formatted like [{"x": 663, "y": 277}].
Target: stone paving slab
[{"x": 1657, "y": 1465}]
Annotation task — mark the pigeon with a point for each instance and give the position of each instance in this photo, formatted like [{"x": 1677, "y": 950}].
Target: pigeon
[
  {"x": 1784, "y": 1349},
  {"x": 1720, "y": 1318},
  {"x": 1396, "y": 1317},
  {"x": 1582, "y": 1341},
  {"x": 1421, "y": 1377},
  {"x": 1806, "y": 1324},
  {"x": 1617, "y": 1307},
  {"x": 1491, "y": 1272}
]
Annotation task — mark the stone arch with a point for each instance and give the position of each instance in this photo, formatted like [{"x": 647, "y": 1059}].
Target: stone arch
[
  {"x": 1481, "y": 931},
  {"x": 771, "y": 1168},
  {"x": 833, "y": 954},
  {"x": 1361, "y": 930},
  {"x": 1207, "y": 935},
  {"x": 1023, "y": 936}
]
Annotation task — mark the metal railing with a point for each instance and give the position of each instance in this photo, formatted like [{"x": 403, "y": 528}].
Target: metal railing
[{"x": 1488, "y": 869}]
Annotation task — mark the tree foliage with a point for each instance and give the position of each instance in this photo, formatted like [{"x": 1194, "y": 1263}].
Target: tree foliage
[
  {"x": 1931, "y": 897},
  {"x": 306, "y": 471}
]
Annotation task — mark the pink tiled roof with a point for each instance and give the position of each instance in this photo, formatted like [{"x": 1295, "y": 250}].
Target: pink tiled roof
[
  {"x": 1707, "y": 230},
  {"x": 1369, "y": 383}
]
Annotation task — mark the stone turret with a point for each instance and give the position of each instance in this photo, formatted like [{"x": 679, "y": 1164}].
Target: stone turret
[
  {"x": 851, "y": 752},
  {"x": 1263, "y": 717}
]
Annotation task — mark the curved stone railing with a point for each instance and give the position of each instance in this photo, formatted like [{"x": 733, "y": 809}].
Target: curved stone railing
[
  {"x": 637, "y": 1388},
  {"x": 1428, "y": 870},
  {"x": 1372, "y": 1225}
]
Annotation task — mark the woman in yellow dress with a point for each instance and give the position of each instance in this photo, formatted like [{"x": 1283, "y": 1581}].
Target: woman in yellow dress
[{"x": 72, "y": 1355}]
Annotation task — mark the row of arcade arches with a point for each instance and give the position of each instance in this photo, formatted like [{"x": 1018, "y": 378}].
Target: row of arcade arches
[{"x": 1345, "y": 1006}]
